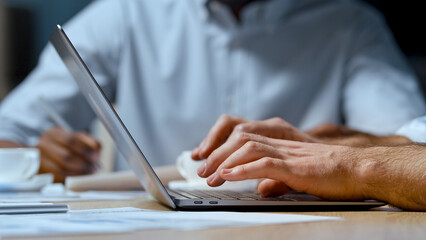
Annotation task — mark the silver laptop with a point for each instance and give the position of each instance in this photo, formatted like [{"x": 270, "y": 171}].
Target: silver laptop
[{"x": 189, "y": 200}]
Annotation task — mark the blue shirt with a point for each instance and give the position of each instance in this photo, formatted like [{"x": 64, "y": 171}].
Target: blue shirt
[{"x": 174, "y": 66}]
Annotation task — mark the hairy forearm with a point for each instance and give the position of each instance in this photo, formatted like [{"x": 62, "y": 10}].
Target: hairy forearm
[
  {"x": 395, "y": 174},
  {"x": 341, "y": 135},
  {"x": 362, "y": 140}
]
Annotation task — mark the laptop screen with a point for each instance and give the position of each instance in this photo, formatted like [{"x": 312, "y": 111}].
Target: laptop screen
[{"x": 109, "y": 117}]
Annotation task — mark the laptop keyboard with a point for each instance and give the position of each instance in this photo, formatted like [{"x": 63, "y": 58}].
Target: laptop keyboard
[
  {"x": 233, "y": 195},
  {"x": 219, "y": 195}
]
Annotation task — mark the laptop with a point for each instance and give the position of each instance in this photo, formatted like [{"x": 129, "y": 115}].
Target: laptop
[{"x": 183, "y": 200}]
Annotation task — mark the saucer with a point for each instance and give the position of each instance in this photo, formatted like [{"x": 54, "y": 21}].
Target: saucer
[{"x": 34, "y": 184}]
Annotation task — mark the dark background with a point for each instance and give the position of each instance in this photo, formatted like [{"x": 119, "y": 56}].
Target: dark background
[
  {"x": 31, "y": 22},
  {"x": 407, "y": 20}
]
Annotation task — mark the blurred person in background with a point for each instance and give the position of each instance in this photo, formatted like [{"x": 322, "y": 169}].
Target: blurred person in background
[{"x": 173, "y": 67}]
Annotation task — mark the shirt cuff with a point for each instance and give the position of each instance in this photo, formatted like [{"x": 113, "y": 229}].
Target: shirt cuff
[
  {"x": 415, "y": 130},
  {"x": 17, "y": 135}
]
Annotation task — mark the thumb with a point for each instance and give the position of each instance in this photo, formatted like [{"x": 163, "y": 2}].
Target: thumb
[{"x": 272, "y": 188}]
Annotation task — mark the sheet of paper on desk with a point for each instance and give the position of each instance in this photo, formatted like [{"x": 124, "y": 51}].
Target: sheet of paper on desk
[
  {"x": 68, "y": 196},
  {"x": 131, "y": 219},
  {"x": 57, "y": 193}
]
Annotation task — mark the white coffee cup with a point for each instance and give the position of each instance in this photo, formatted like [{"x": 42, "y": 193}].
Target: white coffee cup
[
  {"x": 18, "y": 164},
  {"x": 187, "y": 167}
]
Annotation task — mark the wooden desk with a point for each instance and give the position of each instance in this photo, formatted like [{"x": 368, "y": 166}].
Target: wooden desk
[{"x": 381, "y": 223}]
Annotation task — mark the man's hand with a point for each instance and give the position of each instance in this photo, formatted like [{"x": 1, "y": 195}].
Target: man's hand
[
  {"x": 323, "y": 170},
  {"x": 327, "y": 161},
  {"x": 394, "y": 174},
  {"x": 230, "y": 133},
  {"x": 66, "y": 153},
  {"x": 228, "y": 125},
  {"x": 231, "y": 126}
]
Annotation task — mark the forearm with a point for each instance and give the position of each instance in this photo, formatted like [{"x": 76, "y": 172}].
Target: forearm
[
  {"x": 168, "y": 173},
  {"x": 329, "y": 133},
  {"x": 396, "y": 175},
  {"x": 361, "y": 139},
  {"x": 10, "y": 144}
]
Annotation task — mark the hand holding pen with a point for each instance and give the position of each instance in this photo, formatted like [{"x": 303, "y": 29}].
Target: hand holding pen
[{"x": 65, "y": 152}]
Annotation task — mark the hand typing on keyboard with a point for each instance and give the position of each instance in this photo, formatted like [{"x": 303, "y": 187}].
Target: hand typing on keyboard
[{"x": 288, "y": 159}]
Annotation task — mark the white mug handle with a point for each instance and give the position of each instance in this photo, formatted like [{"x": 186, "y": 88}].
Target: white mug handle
[
  {"x": 32, "y": 168},
  {"x": 180, "y": 164},
  {"x": 188, "y": 167}
]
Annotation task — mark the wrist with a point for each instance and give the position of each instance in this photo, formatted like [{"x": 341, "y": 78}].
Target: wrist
[
  {"x": 392, "y": 174},
  {"x": 367, "y": 168}
]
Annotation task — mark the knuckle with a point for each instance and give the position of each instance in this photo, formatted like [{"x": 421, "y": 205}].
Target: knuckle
[
  {"x": 71, "y": 139},
  {"x": 225, "y": 117},
  {"x": 252, "y": 146},
  {"x": 79, "y": 135},
  {"x": 82, "y": 136},
  {"x": 242, "y": 137},
  {"x": 242, "y": 127},
  {"x": 65, "y": 156},
  {"x": 268, "y": 162},
  {"x": 277, "y": 119}
]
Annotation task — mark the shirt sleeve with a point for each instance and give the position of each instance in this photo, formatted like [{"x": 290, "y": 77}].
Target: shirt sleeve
[
  {"x": 381, "y": 92},
  {"x": 414, "y": 130},
  {"x": 97, "y": 33}
]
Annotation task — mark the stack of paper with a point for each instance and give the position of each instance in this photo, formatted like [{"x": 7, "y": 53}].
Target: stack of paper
[{"x": 130, "y": 219}]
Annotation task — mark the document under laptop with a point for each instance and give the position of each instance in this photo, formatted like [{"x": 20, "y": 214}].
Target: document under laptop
[{"x": 189, "y": 200}]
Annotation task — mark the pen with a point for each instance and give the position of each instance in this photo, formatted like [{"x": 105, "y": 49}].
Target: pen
[
  {"x": 57, "y": 119},
  {"x": 54, "y": 115}
]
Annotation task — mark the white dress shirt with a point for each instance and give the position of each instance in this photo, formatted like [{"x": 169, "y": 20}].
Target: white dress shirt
[
  {"x": 414, "y": 130},
  {"x": 174, "y": 66}
]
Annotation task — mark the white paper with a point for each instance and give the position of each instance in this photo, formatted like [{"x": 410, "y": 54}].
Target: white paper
[
  {"x": 67, "y": 196},
  {"x": 116, "y": 220}
]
